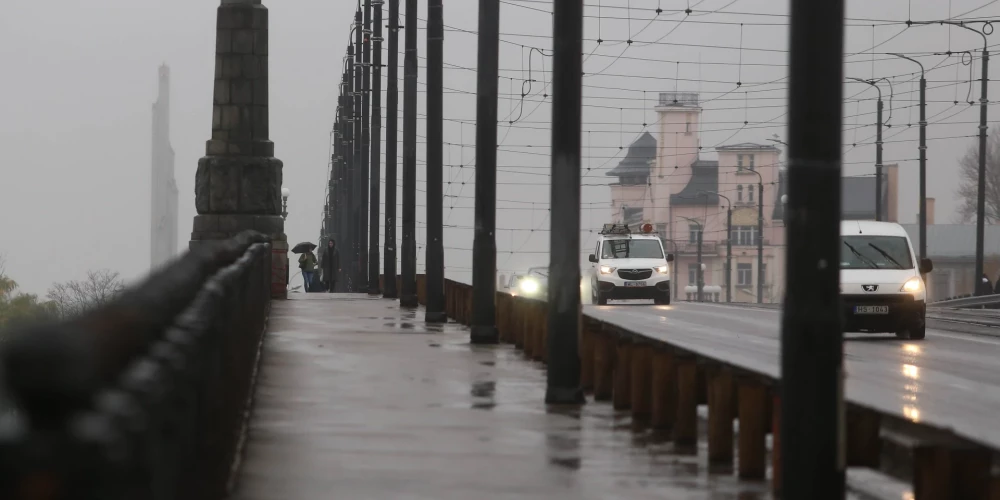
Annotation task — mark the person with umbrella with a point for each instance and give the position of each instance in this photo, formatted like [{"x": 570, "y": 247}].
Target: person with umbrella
[
  {"x": 307, "y": 263},
  {"x": 330, "y": 265}
]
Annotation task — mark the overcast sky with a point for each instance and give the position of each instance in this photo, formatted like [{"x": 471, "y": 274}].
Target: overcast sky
[{"x": 80, "y": 78}]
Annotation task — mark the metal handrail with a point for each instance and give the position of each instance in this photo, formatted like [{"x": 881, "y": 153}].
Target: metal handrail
[{"x": 145, "y": 397}]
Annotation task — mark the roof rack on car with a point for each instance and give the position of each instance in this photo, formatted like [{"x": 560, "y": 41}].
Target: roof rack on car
[{"x": 616, "y": 229}]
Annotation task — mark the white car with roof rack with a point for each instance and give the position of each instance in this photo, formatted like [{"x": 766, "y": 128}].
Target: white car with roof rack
[{"x": 630, "y": 265}]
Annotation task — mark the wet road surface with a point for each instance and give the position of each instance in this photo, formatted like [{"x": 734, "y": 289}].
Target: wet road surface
[
  {"x": 949, "y": 380},
  {"x": 357, "y": 399}
]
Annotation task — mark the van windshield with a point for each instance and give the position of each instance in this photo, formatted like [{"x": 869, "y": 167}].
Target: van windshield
[
  {"x": 875, "y": 252},
  {"x": 631, "y": 249}
]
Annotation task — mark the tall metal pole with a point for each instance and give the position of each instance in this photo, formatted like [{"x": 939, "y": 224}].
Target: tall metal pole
[
  {"x": 981, "y": 192},
  {"x": 878, "y": 161},
  {"x": 563, "y": 370},
  {"x": 760, "y": 239},
  {"x": 729, "y": 253},
  {"x": 360, "y": 169},
  {"x": 366, "y": 72},
  {"x": 376, "y": 151},
  {"x": 351, "y": 153},
  {"x": 484, "y": 244},
  {"x": 812, "y": 378},
  {"x": 923, "y": 158},
  {"x": 389, "y": 290},
  {"x": 408, "y": 264},
  {"x": 700, "y": 273},
  {"x": 435, "y": 148}
]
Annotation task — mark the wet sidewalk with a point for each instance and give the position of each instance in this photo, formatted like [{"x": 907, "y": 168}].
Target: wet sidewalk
[{"x": 357, "y": 399}]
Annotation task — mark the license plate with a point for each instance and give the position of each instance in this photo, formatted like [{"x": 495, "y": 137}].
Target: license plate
[
  {"x": 871, "y": 309},
  {"x": 635, "y": 283}
]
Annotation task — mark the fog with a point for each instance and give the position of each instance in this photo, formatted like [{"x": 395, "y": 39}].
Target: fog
[{"x": 79, "y": 79}]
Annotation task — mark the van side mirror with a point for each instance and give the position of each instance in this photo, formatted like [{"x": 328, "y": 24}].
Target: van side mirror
[
  {"x": 926, "y": 266},
  {"x": 670, "y": 257},
  {"x": 593, "y": 258}
]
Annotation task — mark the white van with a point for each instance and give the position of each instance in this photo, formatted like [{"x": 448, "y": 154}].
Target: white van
[
  {"x": 881, "y": 287},
  {"x": 630, "y": 266}
]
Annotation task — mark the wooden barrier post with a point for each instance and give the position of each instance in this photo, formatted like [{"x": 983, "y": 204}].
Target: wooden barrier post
[
  {"x": 686, "y": 422},
  {"x": 720, "y": 416},
  {"x": 530, "y": 324},
  {"x": 641, "y": 381},
  {"x": 663, "y": 411},
  {"x": 776, "y": 445},
  {"x": 864, "y": 445},
  {"x": 621, "y": 399},
  {"x": 543, "y": 332},
  {"x": 753, "y": 402},
  {"x": 604, "y": 364},
  {"x": 587, "y": 356}
]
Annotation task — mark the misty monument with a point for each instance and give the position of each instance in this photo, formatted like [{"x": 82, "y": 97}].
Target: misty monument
[
  {"x": 163, "y": 188},
  {"x": 238, "y": 182}
]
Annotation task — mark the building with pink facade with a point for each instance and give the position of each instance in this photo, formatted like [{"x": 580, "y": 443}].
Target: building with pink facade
[{"x": 666, "y": 180}]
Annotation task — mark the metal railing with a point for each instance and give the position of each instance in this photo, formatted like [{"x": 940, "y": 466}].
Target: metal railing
[{"x": 147, "y": 397}]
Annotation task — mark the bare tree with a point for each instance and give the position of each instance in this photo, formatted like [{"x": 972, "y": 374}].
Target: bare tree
[
  {"x": 969, "y": 178},
  {"x": 76, "y": 297}
]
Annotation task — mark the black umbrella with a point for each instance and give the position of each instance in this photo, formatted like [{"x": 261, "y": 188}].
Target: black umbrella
[{"x": 303, "y": 247}]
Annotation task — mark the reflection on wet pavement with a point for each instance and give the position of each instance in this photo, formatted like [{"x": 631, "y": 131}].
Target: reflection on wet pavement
[{"x": 426, "y": 415}]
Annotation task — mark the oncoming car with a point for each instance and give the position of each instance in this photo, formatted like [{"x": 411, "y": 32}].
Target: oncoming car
[
  {"x": 630, "y": 266},
  {"x": 881, "y": 287},
  {"x": 533, "y": 284}
]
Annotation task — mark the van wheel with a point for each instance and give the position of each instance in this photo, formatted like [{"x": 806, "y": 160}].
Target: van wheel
[{"x": 662, "y": 299}]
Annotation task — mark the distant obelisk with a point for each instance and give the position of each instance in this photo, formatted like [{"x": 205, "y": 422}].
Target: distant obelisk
[{"x": 163, "y": 189}]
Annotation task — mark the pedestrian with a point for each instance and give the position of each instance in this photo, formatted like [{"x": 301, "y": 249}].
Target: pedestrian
[
  {"x": 307, "y": 263},
  {"x": 996, "y": 288},
  {"x": 330, "y": 265},
  {"x": 985, "y": 287}
]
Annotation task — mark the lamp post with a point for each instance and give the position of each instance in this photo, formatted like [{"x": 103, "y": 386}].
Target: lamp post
[
  {"x": 923, "y": 157},
  {"x": 878, "y": 147},
  {"x": 729, "y": 244},
  {"x": 700, "y": 278},
  {"x": 284, "y": 202},
  {"x": 983, "y": 103}
]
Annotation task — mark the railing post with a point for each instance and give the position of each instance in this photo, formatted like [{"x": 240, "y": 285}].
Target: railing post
[
  {"x": 389, "y": 289},
  {"x": 408, "y": 295}
]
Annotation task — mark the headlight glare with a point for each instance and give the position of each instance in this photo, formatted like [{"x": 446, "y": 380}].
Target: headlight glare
[
  {"x": 529, "y": 286},
  {"x": 914, "y": 285},
  {"x": 662, "y": 269},
  {"x": 607, "y": 269}
]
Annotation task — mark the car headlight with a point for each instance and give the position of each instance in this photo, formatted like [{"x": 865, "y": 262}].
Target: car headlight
[
  {"x": 914, "y": 285},
  {"x": 662, "y": 269},
  {"x": 607, "y": 269},
  {"x": 529, "y": 286}
]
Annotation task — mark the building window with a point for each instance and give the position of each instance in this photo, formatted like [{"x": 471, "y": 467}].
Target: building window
[
  {"x": 693, "y": 274},
  {"x": 693, "y": 233},
  {"x": 687, "y": 126},
  {"x": 744, "y": 235},
  {"x": 745, "y": 161},
  {"x": 739, "y": 192},
  {"x": 750, "y": 194},
  {"x": 744, "y": 274},
  {"x": 632, "y": 215},
  {"x": 661, "y": 230},
  {"x": 633, "y": 180}
]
